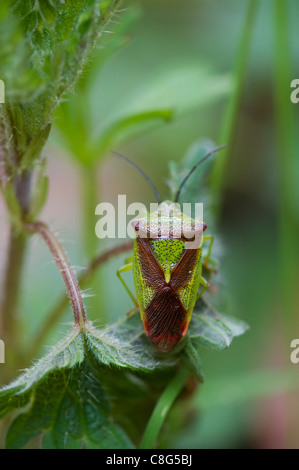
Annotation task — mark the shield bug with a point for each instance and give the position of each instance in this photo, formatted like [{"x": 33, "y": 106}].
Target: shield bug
[{"x": 167, "y": 274}]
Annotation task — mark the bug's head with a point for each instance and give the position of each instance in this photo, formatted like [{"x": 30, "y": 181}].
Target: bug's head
[{"x": 168, "y": 222}]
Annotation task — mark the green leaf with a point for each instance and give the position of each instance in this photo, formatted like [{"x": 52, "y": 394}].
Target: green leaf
[
  {"x": 214, "y": 330},
  {"x": 209, "y": 329},
  {"x": 15, "y": 69},
  {"x": 39, "y": 196},
  {"x": 44, "y": 51},
  {"x": 71, "y": 406},
  {"x": 66, "y": 354},
  {"x": 193, "y": 360},
  {"x": 47, "y": 10},
  {"x": 182, "y": 87},
  {"x": 35, "y": 147},
  {"x": 73, "y": 134},
  {"x": 66, "y": 391},
  {"x": 66, "y": 396},
  {"x": 128, "y": 125},
  {"x": 122, "y": 345},
  {"x": 12, "y": 206}
]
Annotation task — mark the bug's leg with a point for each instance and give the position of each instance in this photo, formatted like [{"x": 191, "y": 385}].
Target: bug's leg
[
  {"x": 205, "y": 285},
  {"x": 127, "y": 267},
  {"x": 210, "y": 239}
]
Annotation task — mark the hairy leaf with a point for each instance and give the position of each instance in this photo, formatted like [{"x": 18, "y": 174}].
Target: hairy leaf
[
  {"x": 73, "y": 410},
  {"x": 122, "y": 345},
  {"x": 66, "y": 396},
  {"x": 66, "y": 390},
  {"x": 193, "y": 360},
  {"x": 214, "y": 330},
  {"x": 67, "y": 354},
  {"x": 45, "y": 45}
]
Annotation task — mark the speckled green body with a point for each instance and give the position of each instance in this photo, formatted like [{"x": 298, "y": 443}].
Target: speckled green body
[
  {"x": 168, "y": 252},
  {"x": 167, "y": 272}
]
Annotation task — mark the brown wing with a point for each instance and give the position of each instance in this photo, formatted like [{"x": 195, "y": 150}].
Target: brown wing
[
  {"x": 152, "y": 272},
  {"x": 163, "y": 311},
  {"x": 165, "y": 316},
  {"x": 182, "y": 273},
  {"x": 165, "y": 319}
]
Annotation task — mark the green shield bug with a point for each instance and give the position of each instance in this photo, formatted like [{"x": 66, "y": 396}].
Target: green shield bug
[{"x": 167, "y": 275}]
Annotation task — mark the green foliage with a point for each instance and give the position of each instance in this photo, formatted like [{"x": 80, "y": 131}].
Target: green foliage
[
  {"x": 49, "y": 41},
  {"x": 66, "y": 397},
  {"x": 72, "y": 409},
  {"x": 86, "y": 391},
  {"x": 67, "y": 401},
  {"x": 213, "y": 330},
  {"x": 85, "y": 129},
  {"x": 45, "y": 45},
  {"x": 74, "y": 133},
  {"x": 65, "y": 390}
]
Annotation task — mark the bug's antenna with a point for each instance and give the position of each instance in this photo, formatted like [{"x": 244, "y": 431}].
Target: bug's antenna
[
  {"x": 142, "y": 173},
  {"x": 194, "y": 168}
]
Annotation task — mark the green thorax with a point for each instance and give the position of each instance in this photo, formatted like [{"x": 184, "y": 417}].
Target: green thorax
[
  {"x": 168, "y": 249},
  {"x": 168, "y": 252}
]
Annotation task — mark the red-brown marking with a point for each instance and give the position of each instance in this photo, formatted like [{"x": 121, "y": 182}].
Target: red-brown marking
[{"x": 165, "y": 316}]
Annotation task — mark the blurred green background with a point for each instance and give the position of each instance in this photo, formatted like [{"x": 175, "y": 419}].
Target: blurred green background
[{"x": 182, "y": 57}]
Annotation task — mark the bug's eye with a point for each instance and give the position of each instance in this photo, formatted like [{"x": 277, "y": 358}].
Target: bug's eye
[
  {"x": 204, "y": 226},
  {"x": 135, "y": 225}
]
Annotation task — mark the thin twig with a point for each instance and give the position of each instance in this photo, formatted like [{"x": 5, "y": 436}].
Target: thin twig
[
  {"x": 61, "y": 259},
  {"x": 104, "y": 257},
  {"x": 61, "y": 305}
]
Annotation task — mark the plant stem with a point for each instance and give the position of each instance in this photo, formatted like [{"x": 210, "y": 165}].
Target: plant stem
[
  {"x": 61, "y": 259},
  {"x": 287, "y": 164},
  {"x": 11, "y": 286},
  {"x": 162, "y": 408},
  {"x": 61, "y": 305},
  {"x": 14, "y": 264},
  {"x": 104, "y": 257},
  {"x": 227, "y": 132}
]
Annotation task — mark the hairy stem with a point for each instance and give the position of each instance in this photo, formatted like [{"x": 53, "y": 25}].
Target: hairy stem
[
  {"x": 162, "y": 408},
  {"x": 61, "y": 259},
  {"x": 61, "y": 305}
]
